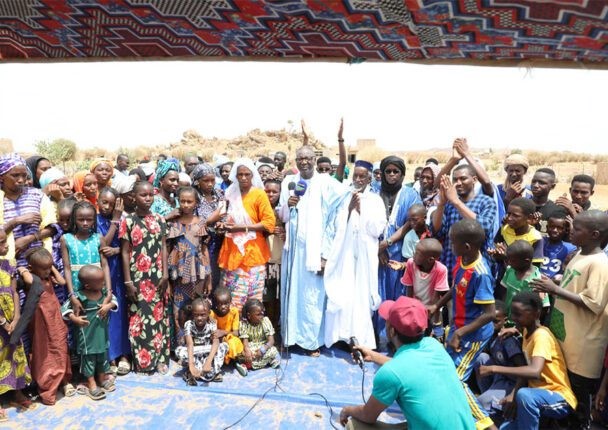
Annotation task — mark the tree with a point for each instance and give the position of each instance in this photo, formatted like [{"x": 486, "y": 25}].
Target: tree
[{"x": 59, "y": 150}]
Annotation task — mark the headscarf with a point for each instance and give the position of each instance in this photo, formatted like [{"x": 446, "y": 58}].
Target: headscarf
[
  {"x": 400, "y": 164},
  {"x": 124, "y": 184},
  {"x": 516, "y": 159},
  {"x": 236, "y": 210},
  {"x": 32, "y": 164},
  {"x": 99, "y": 161},
  {"x": 79, "y": 184},
  {"x": 51, "y": 175},
  {"x": 8, "y": 161},
  {"x": 164, "y": 167},
  {"x": 388, "y": 192},
  {"x": 428, "y": 197},
  {"x": 184, "y": 177},
  {"x": 201, "y": 170}
]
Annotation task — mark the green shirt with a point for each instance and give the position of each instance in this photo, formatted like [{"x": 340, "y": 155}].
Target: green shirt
[
  {"x": 93, "y": 338},
  {"x": 422, "y": 379},
  {"x": 513, "y": 285}
]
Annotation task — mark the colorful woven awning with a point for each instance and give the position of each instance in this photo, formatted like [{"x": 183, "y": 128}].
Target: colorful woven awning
[{"x": 560, "y": 32}]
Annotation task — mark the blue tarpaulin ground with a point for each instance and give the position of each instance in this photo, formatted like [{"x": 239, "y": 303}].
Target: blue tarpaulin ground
[{"x": 157, "y": 401}]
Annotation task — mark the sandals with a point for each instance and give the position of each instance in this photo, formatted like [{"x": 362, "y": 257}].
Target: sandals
[
  {"x": 82, "y": 389},
  {"x": 123, "y": 368},
  {"x": 69, "y": 390},
  {"x": 114, "y": 370},
  {"x": 218, "y": 378},
  {"x": 23, "y": 406},
  {"x": 240, "y": 368},
  {"x": 96, "y": 394},
  {"x": 108, "y": 386},
  {"x": 162, "y": 369},
  {"x": 189, "y": 379},
  {"x": 315, "y": 353}
]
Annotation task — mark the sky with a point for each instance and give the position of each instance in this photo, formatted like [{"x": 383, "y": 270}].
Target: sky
[{"x": 403, "y": 106}]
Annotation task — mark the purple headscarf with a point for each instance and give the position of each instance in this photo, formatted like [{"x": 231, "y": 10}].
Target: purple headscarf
[{"x": 8, "y": 161}]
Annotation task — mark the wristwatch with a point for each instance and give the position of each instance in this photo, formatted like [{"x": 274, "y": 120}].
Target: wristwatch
[{"x": 389, "y": 242}]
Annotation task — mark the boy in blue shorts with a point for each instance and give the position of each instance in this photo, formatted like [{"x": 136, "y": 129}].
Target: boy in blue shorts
[{"x": 473, "y": 307}]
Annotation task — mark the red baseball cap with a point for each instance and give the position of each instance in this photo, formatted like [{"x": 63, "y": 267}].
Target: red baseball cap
[{"x": 407, "y": 315}]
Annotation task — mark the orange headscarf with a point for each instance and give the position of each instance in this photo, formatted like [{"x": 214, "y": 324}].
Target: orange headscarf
[{"x": 79, "y": 185}]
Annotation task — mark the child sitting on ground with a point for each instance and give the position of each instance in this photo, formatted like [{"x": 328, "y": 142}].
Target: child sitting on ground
[
  {"x": 227, "y": 319},
  {"x": 203, "y": 355},
  {"x": 91, "y": 330},
  {"x": 556, "y": 249},
  {"x": 520, "y": 272},
  {"x": 425, "y": 277},
  {"x": 503, "y": 351},
  {"x": 257, "y": 335},
  {"x": 543, "y": 388}
]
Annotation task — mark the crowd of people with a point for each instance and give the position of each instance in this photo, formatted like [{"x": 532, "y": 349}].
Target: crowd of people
[{"x": 216, "y": 266}]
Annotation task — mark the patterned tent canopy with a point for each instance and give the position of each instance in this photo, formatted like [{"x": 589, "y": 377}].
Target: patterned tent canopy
[{"x": 561, "y": 33}]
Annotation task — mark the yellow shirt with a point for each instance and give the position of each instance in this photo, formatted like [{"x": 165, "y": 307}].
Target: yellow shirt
[
  {"x": 229, "y": 322},
  {"x": 554, "y": 376},
  {"x": 532, "y": 237},
  {"x": 582, "y": 331}
]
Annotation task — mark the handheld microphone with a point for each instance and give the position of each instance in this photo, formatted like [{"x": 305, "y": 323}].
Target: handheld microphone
[
  {"x": 291, "y": 187},
  {"x": 357, "y": 356},
  {"x": 300, "y": 188}
]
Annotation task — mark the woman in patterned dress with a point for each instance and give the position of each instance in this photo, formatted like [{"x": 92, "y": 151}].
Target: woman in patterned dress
[
  {"x": 14, "y": 371},
  {"x": 144, "y": 256},
  {"x": 203, "y": 179},
  {"x": 244, "y": 253}
]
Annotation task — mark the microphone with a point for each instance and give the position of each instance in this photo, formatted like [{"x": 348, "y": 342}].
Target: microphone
[
  {"x": 357, "y": 356},
  {"x": 300, "y": 189},
  {"x": 291, "y": 187}
]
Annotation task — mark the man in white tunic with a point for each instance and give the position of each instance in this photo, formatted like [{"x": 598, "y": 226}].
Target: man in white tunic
[
  {"x": 306, "y": 218},
  {"x": 351, "y": 270}
]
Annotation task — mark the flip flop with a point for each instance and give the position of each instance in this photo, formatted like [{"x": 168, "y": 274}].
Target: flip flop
[
  {"x": 316, "y": 353},
  {"x": 96, "y": 394},
  {"x": 26, "y": 405},
  {"x": 82, "y": 389},
  {"x": 123, "y": 368},
  {"x": 108, "y": 386},
  {"x": 114, "y": 370},
  {"x": 69, "y": 390}
]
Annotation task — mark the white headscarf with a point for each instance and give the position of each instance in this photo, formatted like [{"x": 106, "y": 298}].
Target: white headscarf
[{"x": 236, "y": 210}]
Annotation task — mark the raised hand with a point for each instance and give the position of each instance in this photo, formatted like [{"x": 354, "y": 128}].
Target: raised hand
[
  {"x": 448, "y": 189},
  {"x": 304, "y": 133},
  {"x": 341, "y": 130},
  {"x": 119, "y": 207},
  {"x": 461, "y": 147}
]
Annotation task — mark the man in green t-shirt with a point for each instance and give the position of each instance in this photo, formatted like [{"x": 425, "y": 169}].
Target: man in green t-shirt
[{"x": 421, "y": 376}]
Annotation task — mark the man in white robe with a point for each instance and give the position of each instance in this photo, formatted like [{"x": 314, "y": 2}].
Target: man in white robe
[
  {"x": 351, "y": 270},
  {"x": 302, "y": 289}
]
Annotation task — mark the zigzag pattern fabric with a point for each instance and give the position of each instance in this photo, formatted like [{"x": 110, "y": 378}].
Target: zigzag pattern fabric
[{"x": 355, "y": 30}]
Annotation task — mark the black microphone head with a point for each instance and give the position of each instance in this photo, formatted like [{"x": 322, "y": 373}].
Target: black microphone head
[{"x": 291, "y": 186}]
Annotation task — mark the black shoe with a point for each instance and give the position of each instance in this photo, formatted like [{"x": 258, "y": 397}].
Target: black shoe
[{"x": 189, "y": 379}]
